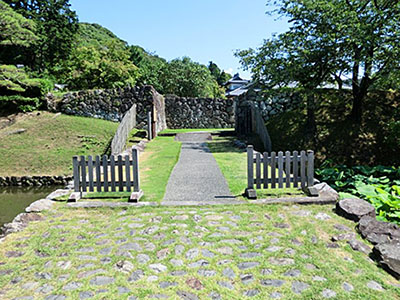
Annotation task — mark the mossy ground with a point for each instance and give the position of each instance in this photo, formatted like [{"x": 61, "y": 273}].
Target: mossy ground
[{"x": 64, "y": 253}]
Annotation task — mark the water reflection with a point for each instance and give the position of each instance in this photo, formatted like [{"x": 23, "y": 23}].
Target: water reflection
[{"x": 14, "y": 200}]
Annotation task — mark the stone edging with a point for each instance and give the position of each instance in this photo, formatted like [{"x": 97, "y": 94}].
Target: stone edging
[
  {"x": 384, "y": 236},
  {"x": 34, "y": 180},
  {"x": 32, "y": 213}
]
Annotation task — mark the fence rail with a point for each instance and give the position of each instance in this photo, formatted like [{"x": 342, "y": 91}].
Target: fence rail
[
  {"x": 279, "y": 170},
  {"x": 107, "y": 174},
  {"x": 128, "y": 122}
]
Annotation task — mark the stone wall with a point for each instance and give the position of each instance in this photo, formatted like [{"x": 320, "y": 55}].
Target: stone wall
[
  {"x": 112, "y": 104},
  {"x": 184, "y": 112},
  {"x": 271, "y": 104},
  {"x": 34, "y": 180},
  {"x": 172, "y": 111}
]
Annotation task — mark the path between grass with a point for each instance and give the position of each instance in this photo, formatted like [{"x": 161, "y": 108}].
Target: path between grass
[
  {"x": 196, "y": 177},
  {"x": 236, "y": 252}
]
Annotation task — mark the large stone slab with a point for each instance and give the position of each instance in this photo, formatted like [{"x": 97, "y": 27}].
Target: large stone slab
[
  {"x": 378, "y": 232},
  {"x": 354, "y": 209},
  {"x": 389, "y": 256}
]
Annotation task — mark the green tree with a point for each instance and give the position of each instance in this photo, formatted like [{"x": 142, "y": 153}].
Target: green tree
[
  {"x": 56, "y": 26},
  {"x": 352, "y": 38},
  {"x": 186, "y": 78},
  {"x": 220, "y": 76},
  {"x": 17, "y": 34},
  {"x": 151, "y": 67},
  {"x": 91, "y": 67},
  {"x": 15, "y": 30}
]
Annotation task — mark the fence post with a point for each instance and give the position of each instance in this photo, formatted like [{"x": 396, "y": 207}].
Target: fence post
[
  {"x": 149, "y": 127},
  {"x": 250, "y": 192},
  {"x": 310, "y": 168},
  {"x": 136, "y": 180},
  {"x": 76, "y": 174}
]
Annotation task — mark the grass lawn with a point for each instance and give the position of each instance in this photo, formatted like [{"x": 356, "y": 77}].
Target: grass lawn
[
  {"x": 233, "y": 164},
  {"x": 49, "y": 143},
  {"x": 163, "y": 252}
]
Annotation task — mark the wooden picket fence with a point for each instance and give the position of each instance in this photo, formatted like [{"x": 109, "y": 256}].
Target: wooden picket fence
[
  {"x": 279, "y": 170},
  {"x": 106, "y": 174}
]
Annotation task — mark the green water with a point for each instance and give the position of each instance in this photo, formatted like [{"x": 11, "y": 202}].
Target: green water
[{"x": 14, "y": 200}]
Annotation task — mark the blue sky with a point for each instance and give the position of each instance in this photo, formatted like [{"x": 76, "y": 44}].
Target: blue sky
[{"x": 204, "y": 30}]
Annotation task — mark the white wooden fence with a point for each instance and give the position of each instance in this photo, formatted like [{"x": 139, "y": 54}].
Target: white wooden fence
[
  {"x": 279, "y": 170},
  {"x": 128, "y": 122},
  {"x": 103, "y": 174}
]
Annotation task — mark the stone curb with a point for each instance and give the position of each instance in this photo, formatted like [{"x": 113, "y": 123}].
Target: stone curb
[
  {"x": 99, "y": 204},
  {"x": 384, "y": 236}
]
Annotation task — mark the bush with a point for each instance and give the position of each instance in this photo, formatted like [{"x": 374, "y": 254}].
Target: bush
[
  {"x": 21, "y": 92},
  {"x": 378, "y": 185}
]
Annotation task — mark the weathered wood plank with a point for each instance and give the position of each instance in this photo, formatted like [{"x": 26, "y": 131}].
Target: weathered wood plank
[
  {"x": 273, "y": 170},
  {"x": 258, "y": 170},
  {"x": 296, "y": 169},
  {"x": 83, "y": 173},
  {"x": 98, "y": 174},
  {"x": 265, "y": 171},
  {"x": 303, "y": 169},
  {"x": 105, "y": 172},
  {"x": 120, "y": 174},
  {"x": 90, "y": 173},
  {"x": 287, "y": 169},
  {"x": 250, "y": 167},
  {"x": 75, "y": 165},
  {"x": 149, "y": 127},
  {"x": 310, "y": 168},
  {"x": 136, "y": 179},
  {"x": 128, "y": 174},
  {"x": 112, "y": 162},
  {"x": 280, "y": 169}
]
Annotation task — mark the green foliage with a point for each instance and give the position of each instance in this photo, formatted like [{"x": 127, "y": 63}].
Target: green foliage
[
  {"x": 186, "y": 78},
  {"x": 220, "y": 76},
  {"x": 19, "y": 90},
  {"x": 96, "y": 35},
  {"x": 15, "y": 30},
  {"x": 150, "y": 67},
  {"x": 328, "y": 39},
  {"x": 56, "y": 27},
  {"x": 92, "y": 67},
  {"x": 379, "y": 185},
  {"x": 393, "y": 136}
]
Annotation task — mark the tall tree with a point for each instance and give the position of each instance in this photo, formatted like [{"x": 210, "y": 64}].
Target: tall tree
[
  {"x": 356, "y": 38},
  {"x": 186, "y": 78},
  {"x": 57, "y": 25},
  {"x": 220, "y": 76}
]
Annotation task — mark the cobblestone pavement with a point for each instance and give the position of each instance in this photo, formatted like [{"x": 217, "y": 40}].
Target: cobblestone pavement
[{"x": 240, "y": 252}]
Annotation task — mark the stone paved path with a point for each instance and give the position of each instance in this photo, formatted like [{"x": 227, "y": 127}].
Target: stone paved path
[
  {"x": 236, "y": 252},
  {"x": 196, "y": 176}
]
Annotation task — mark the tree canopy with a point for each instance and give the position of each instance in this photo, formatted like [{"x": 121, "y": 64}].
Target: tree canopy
[
  {"x": 15, "y": 29},
  {"x": 56, "y": 26},
  {"x": 186, "y": 78},
  {"x": 329, "y": 40}
]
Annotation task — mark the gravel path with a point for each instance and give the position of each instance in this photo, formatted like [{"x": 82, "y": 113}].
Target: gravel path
[{"x": 196, "y": 176}]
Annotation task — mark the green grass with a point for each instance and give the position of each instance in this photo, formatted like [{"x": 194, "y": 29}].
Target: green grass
[
  {"x": 233, "y": 164},
  {"x": 156, "y": 165},
  {"x": 49, "y": 143},
  {"x": 135, "y": 136},
  {"x": 63, "y": 233}
]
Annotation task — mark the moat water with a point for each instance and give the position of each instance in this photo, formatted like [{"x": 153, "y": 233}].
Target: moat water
[{"x": 14, "y": 200}]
